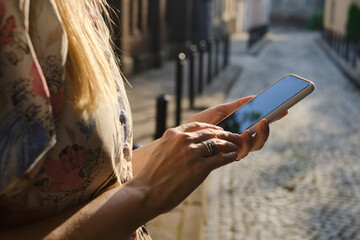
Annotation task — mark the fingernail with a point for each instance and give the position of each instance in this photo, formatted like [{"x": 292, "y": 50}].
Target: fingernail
[{"x": 235, "y": 154}]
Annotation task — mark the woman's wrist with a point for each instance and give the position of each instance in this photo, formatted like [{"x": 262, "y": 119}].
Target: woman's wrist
[
  {"x": 141, "y": 155},
  {"x": 141, "y": 191}
]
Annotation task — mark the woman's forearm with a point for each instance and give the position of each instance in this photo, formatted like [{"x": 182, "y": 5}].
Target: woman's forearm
[
  {"x": 39, "y": 229},
  {"x": 113, "y": 215}
]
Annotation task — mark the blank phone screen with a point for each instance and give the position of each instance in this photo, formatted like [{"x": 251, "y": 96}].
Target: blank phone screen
[{"x": 263, "y": 104}]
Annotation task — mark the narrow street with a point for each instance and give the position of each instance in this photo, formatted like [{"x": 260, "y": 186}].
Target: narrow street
[{"x": 305, "y": 182}]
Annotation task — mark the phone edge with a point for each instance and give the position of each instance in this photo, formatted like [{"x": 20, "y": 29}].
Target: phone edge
[
  {"x": 283, "y": 107},
  {"x": 289, "y": 103}
]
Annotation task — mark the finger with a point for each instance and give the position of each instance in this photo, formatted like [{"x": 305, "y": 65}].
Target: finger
[
  {"x": 246, "y": 144},
  {"x": 221, "y": 146},
  {"x": 196, "y": 126},
  {"x": 226, "y": 109},
  {"x": 206, "y": 134},
  {"x": 220, "y": 160},
  {"x": 281, "y": 116},
  {"x": 261, "y": 136},
  {"x": 216, "y": 114},
  {"x": 232, "y": 106}
]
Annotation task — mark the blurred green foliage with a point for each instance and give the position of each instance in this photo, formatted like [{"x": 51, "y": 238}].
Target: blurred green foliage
[
  {"x": 316, "y": 21},
  {"x": 353, "y": 23}
]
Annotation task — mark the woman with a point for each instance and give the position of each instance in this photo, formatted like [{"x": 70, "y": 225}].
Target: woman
[{"x": 67, "y": 170}]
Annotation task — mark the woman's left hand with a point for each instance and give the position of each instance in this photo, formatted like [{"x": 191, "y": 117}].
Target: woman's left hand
[{"x": 215, "y": 114}]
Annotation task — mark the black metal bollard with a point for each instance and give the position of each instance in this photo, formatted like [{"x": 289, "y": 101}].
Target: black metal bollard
[
  {"x": 210, "y": 60},
  {"x": 338, "y": 47},
  {"x": 341, "y": 49},
  {"x": 193, "y": 50},
  {"x": 179, "y": 83},
  {"x": 217, "y": 49},
  {"x": 343, "y": 46},
  {"x": 347, "y": 48},
  {"x": 251, "y": 39},
  {"x": 226, "y": 50},
  {"x": 356, "y": 53},
  {"x": 353, "y": 55},
  {"x": 332, "y": 39},
  {"x": 161, "y": 114},
  {"x": 335, "y": 41},
  {"x": 201, "y": 66},
  {"x": 328, "y": 36}
]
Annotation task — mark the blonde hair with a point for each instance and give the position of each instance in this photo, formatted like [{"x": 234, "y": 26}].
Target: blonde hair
[{"x": 91, "y": 64}]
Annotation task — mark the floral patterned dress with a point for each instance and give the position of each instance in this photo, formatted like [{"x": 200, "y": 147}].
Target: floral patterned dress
[{"x": 50, "y": 160}]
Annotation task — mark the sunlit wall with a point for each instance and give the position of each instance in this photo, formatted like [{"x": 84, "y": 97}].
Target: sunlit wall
[{"x": 336, "y": 14}]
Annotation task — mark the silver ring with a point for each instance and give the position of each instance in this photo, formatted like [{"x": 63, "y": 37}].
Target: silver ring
[{"x": 211, "y": 147}]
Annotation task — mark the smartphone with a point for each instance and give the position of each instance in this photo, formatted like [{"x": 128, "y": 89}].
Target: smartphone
[{"x": 268, "y": 104}]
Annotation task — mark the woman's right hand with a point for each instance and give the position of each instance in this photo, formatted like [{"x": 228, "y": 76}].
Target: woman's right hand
[{"x": 181, "y": 162}]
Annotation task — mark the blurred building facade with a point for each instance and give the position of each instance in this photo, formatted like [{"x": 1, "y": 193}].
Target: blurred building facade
[
  {"x": 151, "y": 31},
  {"x": 291, "y": 11},
  {"x": 336, "y": 15},
  {"x": 252, "y": 14}
]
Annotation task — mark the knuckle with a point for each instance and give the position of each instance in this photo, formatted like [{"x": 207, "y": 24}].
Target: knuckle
[
  {"x": 183, "y": 136},
  {"x": 170, "y": 132},
  {"x": 218, "y": 142},
  {"x": 212, "y": 132},
  {"x": 192, "y": 148},
  {"x": 176, "y": 134},
  {"x": 197, "y": 124},
  {"x": 225, "y": 143},
  {"x": 232, "y": 146}
]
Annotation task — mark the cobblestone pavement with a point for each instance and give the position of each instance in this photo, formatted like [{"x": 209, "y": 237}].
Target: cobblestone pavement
[{"x": 305, "y": 183}]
